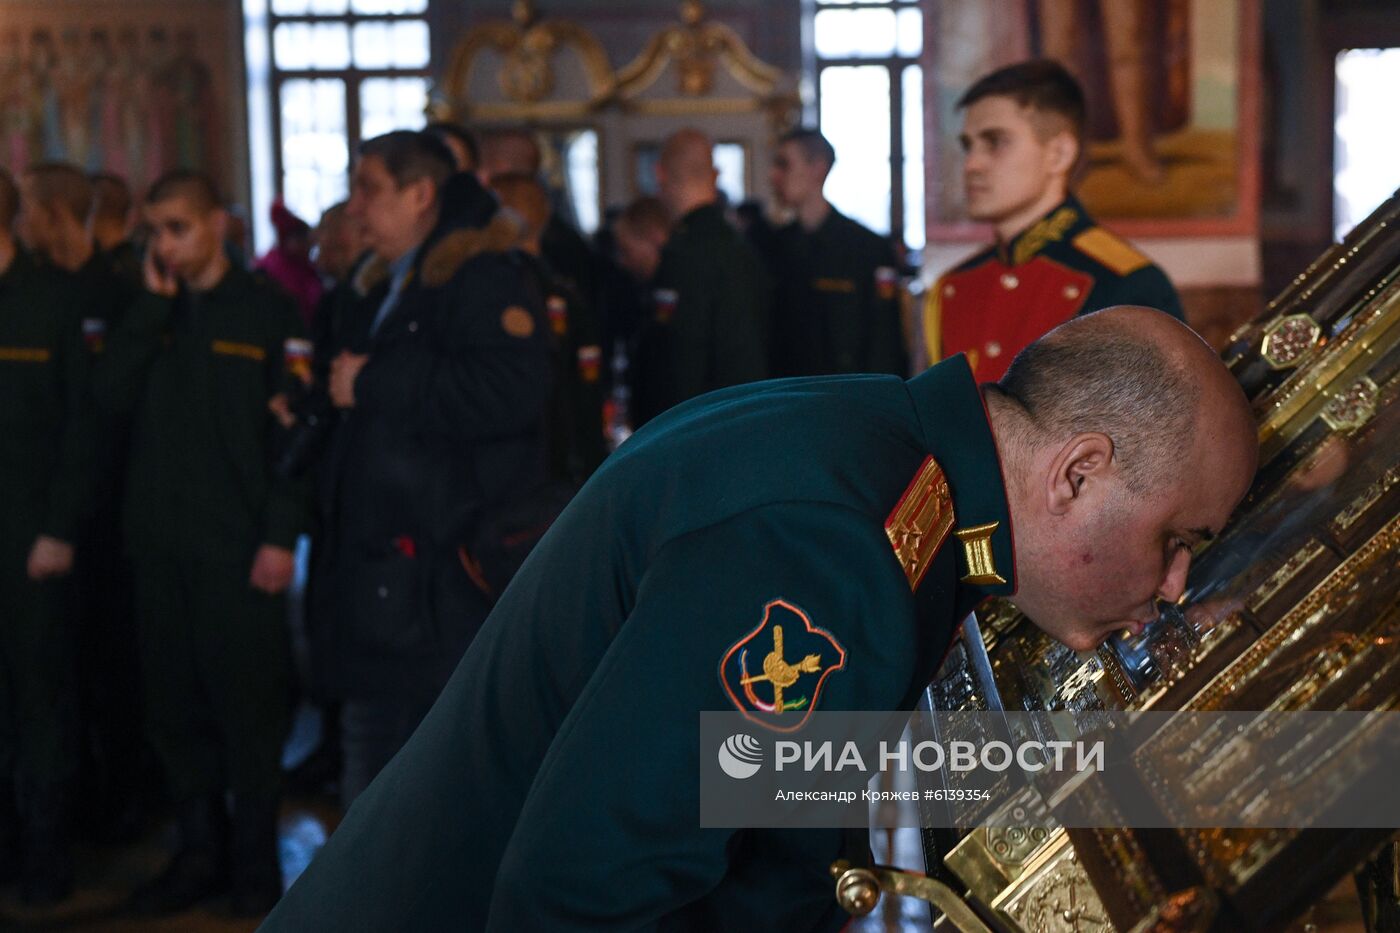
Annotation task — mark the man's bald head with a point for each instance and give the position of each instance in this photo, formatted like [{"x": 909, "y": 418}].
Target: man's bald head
[
  {"x": 510, "y": 152},
  {"x": 685, "y": 173},
  {"x": 688, "y": 155},
  {"x": 1134, "y": 374},
  {"x": 1127, "y": 444}
]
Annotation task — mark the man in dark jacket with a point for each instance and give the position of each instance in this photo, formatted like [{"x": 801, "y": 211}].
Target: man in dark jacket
[
  {"x": 443, "y": 404},
  {"x": 46, "y": 478},
  {"x": 210, "y": 529},
  {"x": 709, "y": 323},
  {"x": 575, "y": 416},
  {"x": 61, "y": 233},
  {"x": 837, "y": 308}
]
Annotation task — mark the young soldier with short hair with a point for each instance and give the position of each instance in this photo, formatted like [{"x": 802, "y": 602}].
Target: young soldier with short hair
[
  {"x": 210, "y": 527},
  {"x": 46, "y": 477},
  {"x": 1023, "y": 136}
]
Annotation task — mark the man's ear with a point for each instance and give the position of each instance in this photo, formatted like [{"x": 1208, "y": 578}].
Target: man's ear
[
  {"x": 1084, "y": 459},
  {"x": 425, "y": 194},
  {"x": 1062, "y": 152},
  {"x": 220, "y": 218}
]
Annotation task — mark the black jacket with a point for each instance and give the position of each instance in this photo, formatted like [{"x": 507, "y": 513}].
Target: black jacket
[
  {"x": 708, "y": 327},
  {"x": 195, "y": 373},
  {"x": 447, "y": 423}
]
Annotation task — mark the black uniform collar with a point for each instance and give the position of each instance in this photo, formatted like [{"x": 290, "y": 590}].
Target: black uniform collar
[
  {"x": 1062, "y": 222},
  {"x": 958, "y": 434},
  {"x": 233, "y": 282},
  {"x": 706, "y": 215},
  {"x": 832, "y": 222}
]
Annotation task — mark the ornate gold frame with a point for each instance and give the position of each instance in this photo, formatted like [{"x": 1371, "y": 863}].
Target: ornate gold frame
[
  {"x": 695, "y": 46},
  {"x": 528, "y": 44}
]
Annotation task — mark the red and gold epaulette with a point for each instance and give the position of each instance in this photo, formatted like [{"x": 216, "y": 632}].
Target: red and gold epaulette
[{"x": 921, "y": 521}]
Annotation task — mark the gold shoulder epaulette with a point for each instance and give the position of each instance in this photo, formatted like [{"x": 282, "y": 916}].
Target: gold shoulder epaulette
[
  {"x": 371, "y": 275},
  {"x": 1110, "y": 251},
  {"x": 454, "y": 250},
  {"x": 921, "y": 520}
]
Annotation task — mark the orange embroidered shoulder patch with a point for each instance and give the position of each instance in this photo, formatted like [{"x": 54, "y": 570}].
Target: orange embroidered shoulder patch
[{"x": 1111, "y": 251}]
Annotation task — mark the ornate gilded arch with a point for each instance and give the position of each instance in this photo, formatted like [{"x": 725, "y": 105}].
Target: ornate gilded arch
[
  {"x": 696, "y": 47},
  {"x": 529, "y": 47}
]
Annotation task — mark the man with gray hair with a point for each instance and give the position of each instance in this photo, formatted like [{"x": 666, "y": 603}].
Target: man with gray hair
[
  {"x": 440, "y": 386},
  {"x": 866, "y": 516}
]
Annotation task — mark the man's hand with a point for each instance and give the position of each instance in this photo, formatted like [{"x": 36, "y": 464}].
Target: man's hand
[
  {"x": 272, "y": 569},
  {"x": 49, "y": 557},
  {"x": 158, "y": 280},
  {"x": 344, "y": 369},
  {"x": 282, "y": 410}
]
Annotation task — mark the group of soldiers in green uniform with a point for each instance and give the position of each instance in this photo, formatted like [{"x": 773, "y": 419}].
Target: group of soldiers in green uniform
[{"x": 142, "y": 403}]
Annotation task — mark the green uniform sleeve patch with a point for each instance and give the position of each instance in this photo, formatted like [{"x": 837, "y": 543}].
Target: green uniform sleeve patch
[{"x": 774, "y": 675}]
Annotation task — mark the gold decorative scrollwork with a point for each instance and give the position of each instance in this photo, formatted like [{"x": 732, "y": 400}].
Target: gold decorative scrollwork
[
  {"x": 697, "y": 46},
  {"x": 529, "y": 45}
]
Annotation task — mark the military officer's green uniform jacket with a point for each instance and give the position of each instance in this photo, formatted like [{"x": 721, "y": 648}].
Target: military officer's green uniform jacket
[
  {"x": 837, "y": 308},
  {"x": 196, "y": 372},
  {"x": 554, "y": 786},
  {"x": 47, "y": 473},
  {"x": 709, "y": 319}
]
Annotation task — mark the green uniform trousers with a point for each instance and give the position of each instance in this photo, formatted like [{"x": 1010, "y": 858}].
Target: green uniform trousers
[
  {"x": 38, "y": 690},
  {"x": 216, "y": 668}
]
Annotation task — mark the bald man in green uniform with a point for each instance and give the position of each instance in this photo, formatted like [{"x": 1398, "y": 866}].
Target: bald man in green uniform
[
  {"x": 708, "y": 326},
  {"x": 47, "y": 472},
  {"x": 554, "y": 786}
]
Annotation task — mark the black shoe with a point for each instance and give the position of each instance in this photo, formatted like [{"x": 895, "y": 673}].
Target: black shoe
[
  {"x": 197, "y": 871},
  {"x": 254, "y": 870},
  {"x": 46, "y": 857}
]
